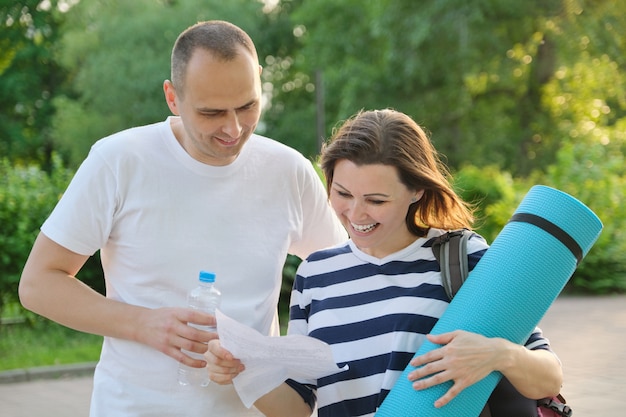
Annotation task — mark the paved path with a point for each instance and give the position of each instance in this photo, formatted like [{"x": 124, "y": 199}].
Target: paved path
[{"x": 588, "y": 333}]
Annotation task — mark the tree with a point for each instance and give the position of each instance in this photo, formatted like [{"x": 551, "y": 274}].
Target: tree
[
  {"x": 477, "y": 75},
  {"x": 29, "y": 78}
]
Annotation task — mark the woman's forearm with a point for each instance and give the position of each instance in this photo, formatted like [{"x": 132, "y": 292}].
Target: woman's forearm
[
  {"x": 534, "y": 373},
  {"x": 283, "y": 401}
]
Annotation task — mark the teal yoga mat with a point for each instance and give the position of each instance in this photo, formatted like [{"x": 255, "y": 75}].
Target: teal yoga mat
[{"x": 507, "y": 293}]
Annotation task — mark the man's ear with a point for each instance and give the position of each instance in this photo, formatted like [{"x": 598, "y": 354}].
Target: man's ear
[{"x": 170, "y": 96}]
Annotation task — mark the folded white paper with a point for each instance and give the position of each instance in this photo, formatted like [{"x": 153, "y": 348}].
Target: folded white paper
[{"x": 269, "y": 361}]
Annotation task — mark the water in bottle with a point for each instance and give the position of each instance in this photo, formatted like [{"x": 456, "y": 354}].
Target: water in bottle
[{"x": 205, "y": 297}]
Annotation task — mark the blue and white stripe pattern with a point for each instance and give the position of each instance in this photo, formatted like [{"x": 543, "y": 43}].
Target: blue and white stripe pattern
[{"x": 374, "y": 313}]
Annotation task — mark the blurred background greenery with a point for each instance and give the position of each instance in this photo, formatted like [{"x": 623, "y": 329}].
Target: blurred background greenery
[{"x": 513, "y": 94}]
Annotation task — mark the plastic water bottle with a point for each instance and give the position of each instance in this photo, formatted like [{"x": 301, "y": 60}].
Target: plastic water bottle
[{"x": 205, "y": 297}]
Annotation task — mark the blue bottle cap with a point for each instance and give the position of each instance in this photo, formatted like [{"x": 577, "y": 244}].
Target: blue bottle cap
[{"x": 206, "y": 276}]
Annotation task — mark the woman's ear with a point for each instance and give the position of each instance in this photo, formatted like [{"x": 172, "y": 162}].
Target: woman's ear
[{"x": 417, "y": 197}]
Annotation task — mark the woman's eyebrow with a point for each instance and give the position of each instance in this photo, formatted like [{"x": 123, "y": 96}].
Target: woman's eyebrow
[{"x": 365, "y": 195}]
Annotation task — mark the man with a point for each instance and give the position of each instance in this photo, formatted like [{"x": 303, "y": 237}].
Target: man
[{"x": 197, "y": 191}]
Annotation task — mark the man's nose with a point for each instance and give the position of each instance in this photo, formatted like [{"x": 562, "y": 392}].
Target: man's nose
[{"x": 232, "y": 126}]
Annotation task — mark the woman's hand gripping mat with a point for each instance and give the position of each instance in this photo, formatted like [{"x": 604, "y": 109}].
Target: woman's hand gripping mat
[{"x": 507, "y": 293}]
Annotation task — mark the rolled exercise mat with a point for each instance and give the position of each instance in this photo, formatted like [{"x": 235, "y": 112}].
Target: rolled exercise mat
[{"x": 506, "y": 294}]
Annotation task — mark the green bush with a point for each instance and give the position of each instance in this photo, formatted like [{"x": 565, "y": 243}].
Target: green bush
[
  {"x": 27, "y": 196},
  {"x": 492, "y": 192},
  {"x": 585, "y": 171},
  {"x": 595, "y": 175}
]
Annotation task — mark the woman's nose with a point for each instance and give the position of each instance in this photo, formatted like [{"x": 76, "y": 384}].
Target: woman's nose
[{"x": 357, "y": 210}]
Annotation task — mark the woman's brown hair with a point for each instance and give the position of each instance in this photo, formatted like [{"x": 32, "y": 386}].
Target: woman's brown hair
[{"x": 392, "y": 138}]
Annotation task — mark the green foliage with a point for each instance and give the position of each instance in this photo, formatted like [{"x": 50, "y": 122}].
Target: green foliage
[
  {"x": 30, "y": 77},
  {"x": 589, "y": 172},
  {"x": 596, "y": 176},
  {"x": 491, "y": 192},
  {"x": 27, "y": 195},
  {"x": 477, "y": 75},
  {"x": 289, "y": 274}
]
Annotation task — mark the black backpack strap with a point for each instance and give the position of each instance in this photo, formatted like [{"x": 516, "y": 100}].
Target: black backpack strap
[{"x": 450, "y": 250}]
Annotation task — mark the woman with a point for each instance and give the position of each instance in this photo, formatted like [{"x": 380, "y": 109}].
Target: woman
[{"x": 375, "y": 299}]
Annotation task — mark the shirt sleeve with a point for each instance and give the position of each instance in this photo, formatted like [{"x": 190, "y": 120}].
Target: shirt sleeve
[
  {"x": 538, "y": 341},
  {"x": 320, "y": 226},
  {"x": 82, "y": 219},
  {"x": 306, "y": 391}
]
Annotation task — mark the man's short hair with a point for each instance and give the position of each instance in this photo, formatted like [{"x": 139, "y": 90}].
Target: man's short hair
[{"x": 216, "y": 36}]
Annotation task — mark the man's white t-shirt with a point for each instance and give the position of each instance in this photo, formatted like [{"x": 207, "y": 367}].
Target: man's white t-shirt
[{"x": 159, "y": 217}]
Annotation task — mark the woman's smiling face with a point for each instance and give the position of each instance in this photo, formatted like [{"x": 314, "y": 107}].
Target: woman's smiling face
[{"x": 372, "y": 204}]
